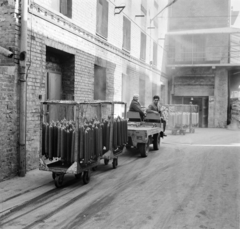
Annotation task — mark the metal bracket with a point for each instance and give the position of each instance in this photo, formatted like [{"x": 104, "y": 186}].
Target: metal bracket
[{"x": 119, "y": 8}]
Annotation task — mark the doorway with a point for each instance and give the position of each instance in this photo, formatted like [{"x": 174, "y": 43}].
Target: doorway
[
  {"x": 60, "y": 82},
  {"x": 202, "y": 103}
]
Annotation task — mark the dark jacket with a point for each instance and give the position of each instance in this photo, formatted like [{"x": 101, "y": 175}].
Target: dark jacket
[{"x": 135, "y": 106}]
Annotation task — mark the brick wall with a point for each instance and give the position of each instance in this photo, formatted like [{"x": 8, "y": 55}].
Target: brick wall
[
  {"x": 7, "y": 30},
  {"x": 9, "y": 122},
  {"x": 86, "y": 50}
]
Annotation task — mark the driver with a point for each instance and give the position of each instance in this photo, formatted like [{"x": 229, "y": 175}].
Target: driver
[{"x": 153, "y": 108}]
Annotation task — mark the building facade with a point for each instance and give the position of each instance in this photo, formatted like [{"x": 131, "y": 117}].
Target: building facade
[
  {"x": 203, "y": 57},
  {"x": 77, "y": 50}
]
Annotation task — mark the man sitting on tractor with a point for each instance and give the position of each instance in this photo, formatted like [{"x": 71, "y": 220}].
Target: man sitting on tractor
[
  {"x": 154, "y": 108},
  {"x": 136, "y": 107}
]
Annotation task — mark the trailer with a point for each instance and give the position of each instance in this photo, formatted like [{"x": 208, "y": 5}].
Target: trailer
[
  {"x": 142, "y": 134},
  {"x": 73, "y": 138}
]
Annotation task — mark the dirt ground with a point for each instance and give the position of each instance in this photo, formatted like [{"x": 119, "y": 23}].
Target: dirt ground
[{"x": 191, "y": 182}]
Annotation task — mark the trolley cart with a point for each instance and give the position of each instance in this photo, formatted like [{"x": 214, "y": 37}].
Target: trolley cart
[
  {"x": 61, "y": 148},
  {"x": 142, "y": 134},
  {"x": 181, "y": 118},
  {"x": 114, "y": 131}
]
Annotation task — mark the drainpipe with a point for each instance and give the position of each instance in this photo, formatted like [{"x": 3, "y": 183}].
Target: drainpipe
[{"x": 23, "y": 89}]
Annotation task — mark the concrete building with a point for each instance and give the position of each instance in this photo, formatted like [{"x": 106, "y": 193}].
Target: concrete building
[
  {"x": 203, "y": 57},
  {"x": 81, "y": 50}
]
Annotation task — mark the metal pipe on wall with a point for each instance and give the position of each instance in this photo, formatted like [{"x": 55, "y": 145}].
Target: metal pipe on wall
[{"x": 23, "y": 89}]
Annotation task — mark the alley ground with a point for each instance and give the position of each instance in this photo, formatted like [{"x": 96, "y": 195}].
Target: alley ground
[{"x": 193, "y": 181}]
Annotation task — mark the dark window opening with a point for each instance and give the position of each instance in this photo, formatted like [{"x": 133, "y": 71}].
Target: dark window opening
[
  {"x": 155, "y": 51},
  {"x": 125, "y": 89},
  {"x": 66, "y": 8},
  {"x": 62, "y": 6},
  {"x": 100, "y": 84},
  {"x": 143, "y": 46},
  {"x": 142, "y": 90},
  {"x": 102, "y": 18},
  {"x": 154, "y": 89},
  {"x": 126, "y": 34}
]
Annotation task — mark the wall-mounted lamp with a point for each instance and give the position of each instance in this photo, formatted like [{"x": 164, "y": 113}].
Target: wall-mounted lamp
[{"x": 6, "y": 52}]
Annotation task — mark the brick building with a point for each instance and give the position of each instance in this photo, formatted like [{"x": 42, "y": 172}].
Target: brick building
[
  {"x": 203, "y": 57},
  {"x": 80, "y": 50}
]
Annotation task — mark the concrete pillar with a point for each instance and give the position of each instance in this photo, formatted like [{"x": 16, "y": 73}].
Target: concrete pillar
[{"x": 221, "y": 97}]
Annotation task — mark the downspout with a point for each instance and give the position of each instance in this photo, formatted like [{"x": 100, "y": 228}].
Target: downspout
[{"x": 23, "y": 89}]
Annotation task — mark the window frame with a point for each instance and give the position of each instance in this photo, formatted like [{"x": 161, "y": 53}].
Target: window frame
[
  {"x": 143, "y": 50},
  {"x": 102, "y": 18},
  {"x": 126, "y": 45}
]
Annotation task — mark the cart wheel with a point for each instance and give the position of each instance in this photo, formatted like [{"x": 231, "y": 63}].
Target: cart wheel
[
  {"x": 94, "y": 168},
  {"x": 115, "y": 163},
  {"x": 144, "y": 149},
  {"x": 59, "y": 180},
  {"x": 53, "y": 175},
  {"x": 106, "y": 161},
  {"x": 78, "y": 176},
  {"x": 156, "y": 141},
  {"x": 193, "y": 130},
  {"x": 184, "y": 132},
  {"x": 86, "y": 177}
]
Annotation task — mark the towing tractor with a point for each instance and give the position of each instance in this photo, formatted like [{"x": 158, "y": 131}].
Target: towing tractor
[{"x": 141, "y": 134}]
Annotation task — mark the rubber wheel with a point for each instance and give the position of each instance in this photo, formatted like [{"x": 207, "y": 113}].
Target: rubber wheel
[
  {"x": 94, "y": 168},
  {"x": 144, "y": 149},
  {"x": 193, "y": 130},
  {"x": 53, "y": 175},
  {"x": 59, "y": 180},
  {"x": 115, "y": 163},
  {"x": 106, "y": 161},
  {"x": 86, "y": 177},
  {"x": 156, "y": 142},
  {"x": 78, "y": 176}
]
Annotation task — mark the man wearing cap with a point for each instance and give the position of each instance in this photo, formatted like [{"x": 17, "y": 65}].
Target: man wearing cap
[
  {"x": 136, "y": 106},
  {"x": 154, "y": 108}
]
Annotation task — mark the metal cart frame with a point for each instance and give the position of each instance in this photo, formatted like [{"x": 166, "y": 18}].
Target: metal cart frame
[{"x": 110, "y": 154}]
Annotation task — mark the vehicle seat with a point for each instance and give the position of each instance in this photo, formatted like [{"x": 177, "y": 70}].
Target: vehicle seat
[{"x": 133, "y": 116}]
